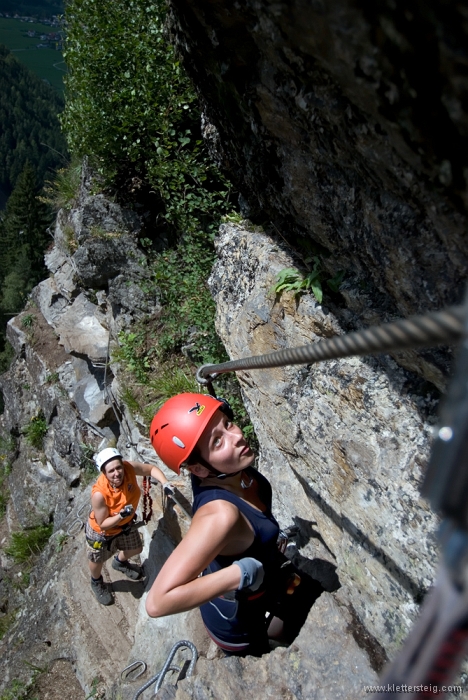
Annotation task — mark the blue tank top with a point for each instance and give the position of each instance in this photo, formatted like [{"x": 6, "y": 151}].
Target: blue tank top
[{"x": 264, "y": 525}]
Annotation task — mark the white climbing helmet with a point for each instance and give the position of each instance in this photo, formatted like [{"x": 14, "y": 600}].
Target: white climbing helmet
[{"x": 104, "y": 456}]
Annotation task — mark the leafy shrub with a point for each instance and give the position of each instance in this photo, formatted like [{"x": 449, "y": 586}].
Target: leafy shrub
[
  {"x": 17, "y": 690},
  {"x": 188, "y": 310},
  {"x": 130, "y": 105},
  {"x": 28, "y": 543}
]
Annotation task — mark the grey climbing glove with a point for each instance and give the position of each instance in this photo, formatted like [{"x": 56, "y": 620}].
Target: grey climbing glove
[
  {"x": 126, "y": 511},
  {"x": 252, "y": 573},
  {"x": 168, "y": 489}
]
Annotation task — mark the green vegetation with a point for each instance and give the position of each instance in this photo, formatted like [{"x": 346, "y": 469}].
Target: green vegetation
[
  {"x": 17, "y": 690},
  {"x": 28, "y": 321},
  {"x": 32, "y": 8},
  {"x": 23, "y": 240},
  {"x": 29, "y": 122},
  {"x": 28, "y": 543},
  {"x": 130, "y": 105},
  {"x": 292, "y": 280},
  {"x": 188, "y": 308},
  {"x": 62, "y": 190},
  {"x": 36, "y": 431},
  {"x": 24, "y": 690},
  {"x": 46, "y": 63}
]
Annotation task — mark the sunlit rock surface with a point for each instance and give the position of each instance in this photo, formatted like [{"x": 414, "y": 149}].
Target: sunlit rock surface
[{"x": 344, "y": 442}]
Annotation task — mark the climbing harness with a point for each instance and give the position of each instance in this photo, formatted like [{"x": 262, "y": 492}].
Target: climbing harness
[
  {"x": 416, "y": 332},
  {"x": 159, "y": 677},
  {"x": 127, "y": 675},
  {"x": 147, "y": 500}
]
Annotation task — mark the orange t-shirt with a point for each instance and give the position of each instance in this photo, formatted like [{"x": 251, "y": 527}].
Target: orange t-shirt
[{"x": 116, "y": 499}]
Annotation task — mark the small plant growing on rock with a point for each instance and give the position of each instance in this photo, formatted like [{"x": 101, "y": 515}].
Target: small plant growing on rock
[
  {"x": 87, "y": 464},
  {"x": 28, "y": 321},
  {"x": 28, "y": 543},
  {"x": 36, "y": 431},
  {"x": 52, "y": 378},
  {"x": 292, "y": 280},
  {"x": 62, "y": 191}
]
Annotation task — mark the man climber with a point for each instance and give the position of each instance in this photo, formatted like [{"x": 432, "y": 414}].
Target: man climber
[{"x": 114, "y": 500}]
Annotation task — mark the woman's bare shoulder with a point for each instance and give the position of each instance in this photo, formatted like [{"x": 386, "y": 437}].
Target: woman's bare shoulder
[{"x": 224, "y": 511}]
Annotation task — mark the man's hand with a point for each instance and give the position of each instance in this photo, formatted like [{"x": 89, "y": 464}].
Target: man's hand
[{"x": 126, "y": 511}]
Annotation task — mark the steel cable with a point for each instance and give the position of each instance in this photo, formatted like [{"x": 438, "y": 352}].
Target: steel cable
[{"x": 436, "y": 328}]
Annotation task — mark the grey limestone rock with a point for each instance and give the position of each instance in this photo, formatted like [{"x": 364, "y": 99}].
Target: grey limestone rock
[
  {"x": 324, "y": 662},
  {"x": 345, "y": 125},
  {"x": 101, "y": 258},
  {"x": 82, "y": 332},
  {"x": 342, "y": 444}
]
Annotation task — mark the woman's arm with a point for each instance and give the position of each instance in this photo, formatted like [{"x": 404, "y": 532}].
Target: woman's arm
[
  {"x": 177, "y": 588},
  {"x": 101, "y": 513},
  {"x": 142, "y": 469}
]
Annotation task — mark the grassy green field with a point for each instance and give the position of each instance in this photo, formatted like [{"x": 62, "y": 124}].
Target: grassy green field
[{"x": 46, "y": 63}]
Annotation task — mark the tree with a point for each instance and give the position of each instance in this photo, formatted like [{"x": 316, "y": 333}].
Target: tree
[{"x": 23, "y": 239}]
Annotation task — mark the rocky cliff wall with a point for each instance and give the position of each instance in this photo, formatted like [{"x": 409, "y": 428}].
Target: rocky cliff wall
[
  {"x": 344, "y": 442},
  {"x": 344, "y": 128},
  {"x": 344, "y": 124},
  {"x": 62, "y": 341}
]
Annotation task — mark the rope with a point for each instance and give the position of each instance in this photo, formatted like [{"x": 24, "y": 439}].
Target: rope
[
  {"x": 159, "y": 677},
  {"x": 439, "y": 327}
]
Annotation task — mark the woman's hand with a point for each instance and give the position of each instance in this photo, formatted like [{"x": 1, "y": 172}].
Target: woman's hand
[{"x": 252, "y": 573}]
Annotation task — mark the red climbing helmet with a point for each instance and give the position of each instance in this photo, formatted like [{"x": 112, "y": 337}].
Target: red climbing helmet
[{"x": 178, "y": 425}]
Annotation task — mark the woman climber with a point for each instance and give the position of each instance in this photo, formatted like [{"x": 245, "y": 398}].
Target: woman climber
[
  {"x": 114, "y": 499},
  {"x": 229, "y": 562}
]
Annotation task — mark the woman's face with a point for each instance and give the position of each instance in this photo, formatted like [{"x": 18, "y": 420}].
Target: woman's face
[
  {"x": 114, "y": 471},
  {"x": 223, "y": 445}
]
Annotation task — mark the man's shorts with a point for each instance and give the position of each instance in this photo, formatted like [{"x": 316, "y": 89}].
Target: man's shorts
[{"x": 100, "y": 548}]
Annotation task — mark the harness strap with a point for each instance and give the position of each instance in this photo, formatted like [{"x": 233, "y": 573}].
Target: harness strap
[{"x": 147, "y": 500}]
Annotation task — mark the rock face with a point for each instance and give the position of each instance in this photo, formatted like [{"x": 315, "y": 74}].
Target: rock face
[
  {"x": 345, "y": 124},
  {"x": 60, "y": 378},
  {"x": 344, "y": 442},
  {"x": 59, "y": 381},
  {"x": 338, "y": 669}
]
